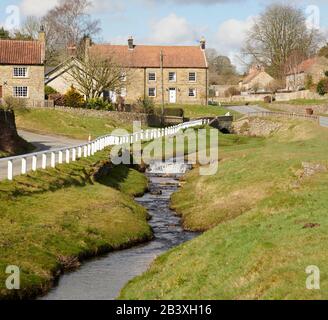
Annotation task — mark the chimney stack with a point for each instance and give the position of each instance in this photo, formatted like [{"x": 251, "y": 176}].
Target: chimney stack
[
  {"x": 87, "y": 45},
  {"x": 42, "y": 40},
  {"x": 130, "y": 43},
  {"x": 203, "y": 43}
]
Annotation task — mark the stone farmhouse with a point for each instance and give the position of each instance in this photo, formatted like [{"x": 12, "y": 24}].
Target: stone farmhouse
[
  {"x": 175, "y": 74},
  {"x": 313, "y": 68},
  {"x": 22, "y": 69},
  {"x": 257, "y": 77}
]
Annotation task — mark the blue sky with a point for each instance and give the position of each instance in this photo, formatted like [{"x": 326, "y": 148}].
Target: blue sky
[{"x": 222, "y": 22}]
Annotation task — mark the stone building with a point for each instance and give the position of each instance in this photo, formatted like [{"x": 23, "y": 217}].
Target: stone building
[
  {"x": 22, "y": 69},
  {"x": 311, "y": 69},
  {"x": 257, "y": 78},
  {"x": 175, "y": 74}
]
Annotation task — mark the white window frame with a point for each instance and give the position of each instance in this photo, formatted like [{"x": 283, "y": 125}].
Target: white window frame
[
  {"x": 192, "y": 72},
  {"x": 19, "y": 73},
  {"x": 152, "y": 96},
  {"x": 152, "y": 80},
  {"x": 194, "y": 92},
  {"x": 175, "y": 76},
  {"x": 123, "y": 76},
  {"x": 19, "y": 90},
  {"x": 123, "y": 92}
]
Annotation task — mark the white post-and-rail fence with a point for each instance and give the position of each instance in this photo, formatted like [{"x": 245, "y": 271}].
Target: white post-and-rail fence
[{"x": 50, "y": 158}]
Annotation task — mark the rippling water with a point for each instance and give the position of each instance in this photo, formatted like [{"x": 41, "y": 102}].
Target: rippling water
[{"x": 103, "y": 278}]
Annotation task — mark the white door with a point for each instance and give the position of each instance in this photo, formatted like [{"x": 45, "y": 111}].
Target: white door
[{"x": 173, "y": 95}]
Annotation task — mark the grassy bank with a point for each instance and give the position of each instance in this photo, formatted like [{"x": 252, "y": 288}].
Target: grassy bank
[
  {"x": 197, "y": 111},
  {"x": 266, "y": 215},
  {"x": 51, "y": 220},
  {"x": 67, "y": 124}
]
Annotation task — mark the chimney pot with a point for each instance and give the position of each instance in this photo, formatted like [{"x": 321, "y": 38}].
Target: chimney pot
[
  {"x": 130, "y": 43},
  {"x": 203, "y": 43}
]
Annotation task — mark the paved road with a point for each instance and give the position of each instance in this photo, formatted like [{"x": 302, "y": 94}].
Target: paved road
[
  {"x": 246, "y": 109},
  {"x": 324, "y": 122},
  {"x": 42, "y": 143}
]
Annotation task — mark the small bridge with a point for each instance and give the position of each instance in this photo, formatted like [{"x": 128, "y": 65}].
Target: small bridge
[{"x": 42, "y": 160}]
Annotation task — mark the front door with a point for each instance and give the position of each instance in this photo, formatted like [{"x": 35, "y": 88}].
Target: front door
[{"x": 173, "y": 95}]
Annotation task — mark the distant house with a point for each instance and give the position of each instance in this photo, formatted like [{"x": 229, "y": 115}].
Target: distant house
[
  {"x": 313, "y": 68},
  {"x": 59, "y": 78},
  {"x": 177, "y": 74},
  {"x": 257, "y": 78},
  {"x": 22, "y": 69}
]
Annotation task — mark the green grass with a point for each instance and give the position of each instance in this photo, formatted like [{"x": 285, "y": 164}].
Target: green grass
[
  {"x": 257, "y": 210},
  {"x": 51, "y": 217},
  {"x": 3, "y": 154},
  {"x": 198, "y": 111},
  {"x": 67, "y": 124}
]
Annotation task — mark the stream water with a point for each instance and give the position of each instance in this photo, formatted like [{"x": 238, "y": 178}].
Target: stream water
[{"x": 103, "y": 278}]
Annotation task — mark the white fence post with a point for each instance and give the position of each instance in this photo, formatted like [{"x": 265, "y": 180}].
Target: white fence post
[
  {"x": 24, "y": 166},
  {"x": 74, "y": 154},
  {"x": 79, "y": 152},
  {"x": 85, "y": 151},
  {"x": 44, "y": 161},
  {"x": 34, "y": 163},
  {"x": 53, "y": 160},
  {"x": 67, "y": 156},
  {"x": 10, "y": 170},
  {"x": 60, "y": 157}
]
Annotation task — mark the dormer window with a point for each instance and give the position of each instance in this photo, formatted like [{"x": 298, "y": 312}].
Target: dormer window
[{"x": 20, "y": 72}]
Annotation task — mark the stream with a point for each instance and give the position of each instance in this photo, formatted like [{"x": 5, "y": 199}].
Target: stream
[{"x": 103, "y": 278}]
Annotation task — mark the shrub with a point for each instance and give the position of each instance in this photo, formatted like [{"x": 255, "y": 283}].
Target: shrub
[
  {"x": 57, "y": 98},
  {"x": 174, "y": 112},
  {"x": 144, "y": 105},
  {"x": 73, "y": 99},
  {"x": 12, "y": 103},
  {"x": 326, "y": 74},
  {"x": 268, "y": 99},
  {"x": 232, "y": 91},
  {"x": 99, "y": 104},
  {"x": 322, "y": 87},
  {"x": 48, "y": 91}
]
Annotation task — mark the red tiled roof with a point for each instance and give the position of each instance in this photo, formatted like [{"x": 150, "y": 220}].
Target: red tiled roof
[
  {"x": 21, "y": 52},
  {"x": 143, "y": 56},
  {"x": 306, "y": 64}
]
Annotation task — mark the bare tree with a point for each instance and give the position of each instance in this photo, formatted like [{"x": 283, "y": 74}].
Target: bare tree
[
  {"x": 96, "y": 74},
  {"x": 66, "y": 25},
  {"x": 292, "y": 68},
  {"x": 276, "y": 34}
]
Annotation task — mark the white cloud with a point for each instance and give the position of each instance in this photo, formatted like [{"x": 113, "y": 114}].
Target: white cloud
[
  {"x": 41, "y": 7},
  {"x": 173, "y": 29},
  {"x": 36, "y": 7}
]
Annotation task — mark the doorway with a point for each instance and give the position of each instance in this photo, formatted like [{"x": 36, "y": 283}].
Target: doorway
[{"x": 172, "y": 95}]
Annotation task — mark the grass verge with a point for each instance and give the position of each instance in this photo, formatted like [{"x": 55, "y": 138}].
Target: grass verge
[
  {"x": 52, "y": 220},
  {"x": 67, "y": 124},
  {"x": 266, "y": 216}
]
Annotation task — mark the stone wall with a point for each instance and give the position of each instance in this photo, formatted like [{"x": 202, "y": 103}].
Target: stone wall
[{"x": 318, "y": 109}]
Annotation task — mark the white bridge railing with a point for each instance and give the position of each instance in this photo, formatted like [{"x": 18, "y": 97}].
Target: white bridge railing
[{"x": 41, "y": 160}]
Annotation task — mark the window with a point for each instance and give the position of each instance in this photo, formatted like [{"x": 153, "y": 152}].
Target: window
[
  {"x": 152, "y": 92},
  {"x": 20, "y": 92},
  {"x": 123, "y": 92},
  {"x": 192, "y": 92},
  {"x": 20, "y": 72},
  {"x": 172, "y": 77},
  {"x": 192, "y": 76},
  {"x": 123, "y": 76},
  {"x": 152, "y": 76}
]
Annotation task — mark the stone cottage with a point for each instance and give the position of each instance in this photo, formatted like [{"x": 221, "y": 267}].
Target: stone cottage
[
  {"x": 175, "y": 74},
  {"x": 257, "y": 78},
  {"x": 22, "y": 69},
  {"x": 313, "y": 69}
]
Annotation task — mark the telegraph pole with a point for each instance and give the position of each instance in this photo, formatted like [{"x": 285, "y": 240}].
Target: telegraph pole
[{"x": 162, "y": 76}]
